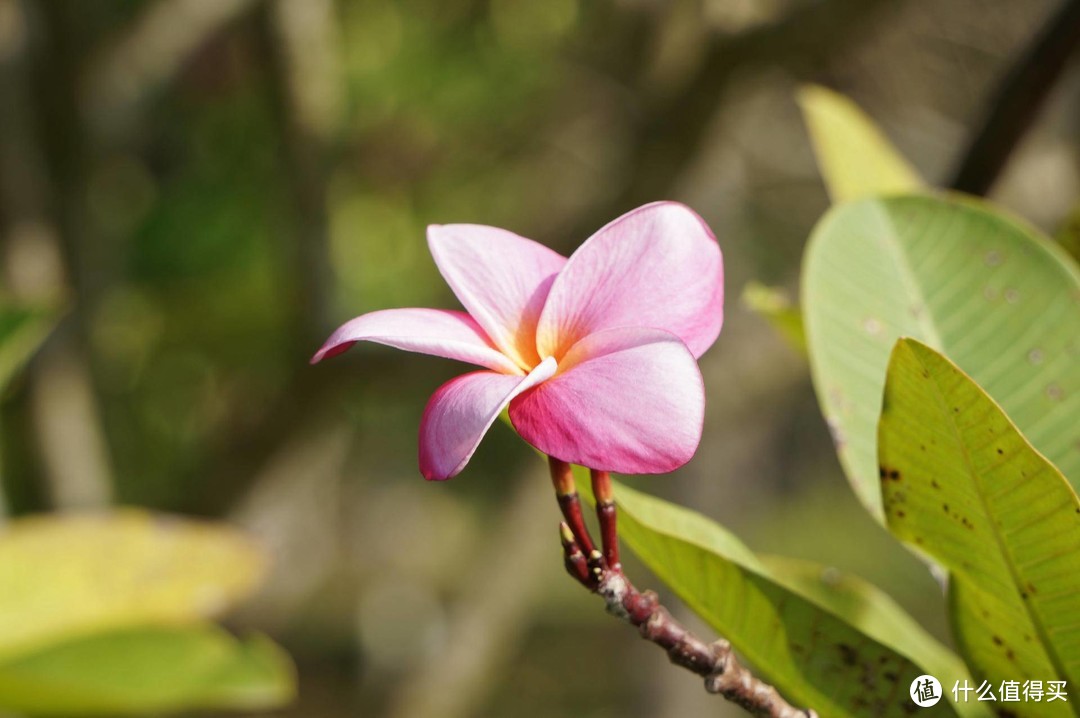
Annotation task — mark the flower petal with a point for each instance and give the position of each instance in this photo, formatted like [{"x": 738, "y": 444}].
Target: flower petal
[
  {"x": 626, "y": 400},
  {"x": 441, "y": 332},
  {"x": 501, "y": 278},
  {"x": 658, "y": 266},
  {"x": 462, "y": 410}
]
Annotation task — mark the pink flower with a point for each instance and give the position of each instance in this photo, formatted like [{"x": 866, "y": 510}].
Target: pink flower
[{"x": 596, "y": 355}]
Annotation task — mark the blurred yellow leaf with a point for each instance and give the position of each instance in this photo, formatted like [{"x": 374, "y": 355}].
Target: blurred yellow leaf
[
  {"x": 855, "y": 158},
  {"x": 65, "y": 576}
]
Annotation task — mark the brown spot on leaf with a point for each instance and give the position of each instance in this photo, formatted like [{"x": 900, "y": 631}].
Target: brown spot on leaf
[
  {"x": 847, "y": 654},
  {"x": 997, "y": 640}
]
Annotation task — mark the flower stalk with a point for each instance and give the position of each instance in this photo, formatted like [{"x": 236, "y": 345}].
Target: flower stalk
[
  {"x": 562, "y": 476},
  {"x": 600, "y": 572}
]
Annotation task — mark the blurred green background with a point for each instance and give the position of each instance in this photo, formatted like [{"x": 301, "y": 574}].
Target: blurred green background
[{"x": 211, "y": 186}]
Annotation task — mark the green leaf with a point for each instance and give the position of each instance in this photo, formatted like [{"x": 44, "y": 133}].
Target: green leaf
[
  {"x": 776, "y": 306},
  {"x": 855, "y": 158},
  {"x": 991, "y": 293},
  {"x": 963, "y": 485},
  {"x": 63, "y": 576},
  {"x": 136, "y": 670},
  {"x": 868, "y": 609},
  {"x": 1068, "y": 234},
  {"x": 22, "y": 329},
  {"x": 836, "y": 645}
]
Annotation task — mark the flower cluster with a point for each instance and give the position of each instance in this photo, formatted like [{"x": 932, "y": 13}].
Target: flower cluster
[{"x": 595, "y": 355}]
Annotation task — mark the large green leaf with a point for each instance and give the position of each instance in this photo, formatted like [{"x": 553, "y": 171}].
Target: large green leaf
[
  {"x": 991, "y": 293},
  {"x": 855, "y": 158},
  {"x": 138, "y": 670},
  {"x": 829, "y": 642},
  {"x": 65, "y": 576},
  {"x": 963, "y": 485},
  {"x": 22, "y": 329}
]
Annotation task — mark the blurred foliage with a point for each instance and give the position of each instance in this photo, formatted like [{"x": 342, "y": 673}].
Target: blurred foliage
[
  {"x": 147, "y": 670},
  {"x": 22, "y": 329},
  {"x": 107, "y": 614},
  {"x": 774, "y": 304}
]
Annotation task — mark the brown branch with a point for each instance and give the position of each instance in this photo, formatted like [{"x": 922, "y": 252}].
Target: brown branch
[
  {"x": 715, "y": 662},
  {"x": 1017, "y": 101}
]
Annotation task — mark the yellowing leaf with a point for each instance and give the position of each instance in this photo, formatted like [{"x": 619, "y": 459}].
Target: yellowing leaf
[
  {"x": 855, "y": 158},
  {"x": 62, "y": 576}
]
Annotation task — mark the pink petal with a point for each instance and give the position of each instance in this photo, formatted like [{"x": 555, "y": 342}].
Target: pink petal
[
  {"x": 441, "y": 332},
  {"x": 658, "y": 266},
  {"x": 624, "y": 400},
  {"x": 501, "y": 278},
  {"x": 462, "y": 410}
]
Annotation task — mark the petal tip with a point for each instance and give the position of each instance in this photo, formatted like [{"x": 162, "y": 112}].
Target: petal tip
[{"x": 330, "y": 349}]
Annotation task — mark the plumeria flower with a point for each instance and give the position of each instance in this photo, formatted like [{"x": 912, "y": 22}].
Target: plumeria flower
[{"x": 595, "y": 355}]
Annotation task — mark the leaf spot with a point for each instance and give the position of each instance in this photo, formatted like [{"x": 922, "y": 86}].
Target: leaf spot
[{"x": 1036, "y": 356}]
